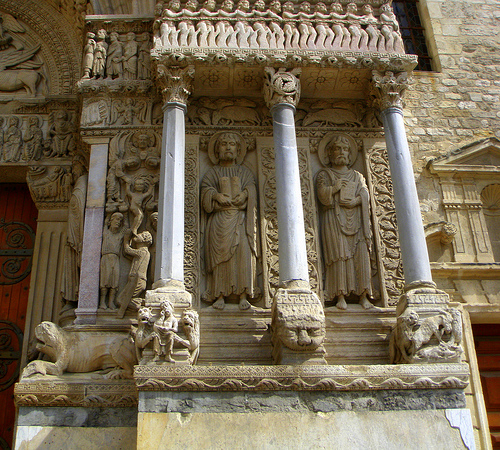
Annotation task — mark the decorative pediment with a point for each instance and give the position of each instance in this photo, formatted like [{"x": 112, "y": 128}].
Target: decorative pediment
[{"x": 481, "y": 158}]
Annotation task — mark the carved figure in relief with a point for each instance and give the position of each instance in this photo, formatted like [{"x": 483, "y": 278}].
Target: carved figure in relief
[
  {"x": 346, "y": 230},
  {"x": 144, "y": 58},
  {"x": 100, "y": 54},
  {"x": 137, "y": 249},
  {"x": 229, "y": 199},
  {"x": 165, "y": 327},
  {"x": 13, "y": 141},
  {"x": 73, "y": 249},
  {"x": 61, "y": 134},
  {"x": 130, "y": 57},
  {"x": 435, "y": 338},
  {"x": 114, "y": 65},
  {"x": 112, "y": 240},
  {"x": 191, "y": 327},
  {"x": 140, "y": 191},
  {"x": 88, "y": 55},
  {"x": 33, "y": 140},
  {"x": 82, "y": 352},
  {"x": 153, "y": 218},
  {"x": 144, "y": 333}
]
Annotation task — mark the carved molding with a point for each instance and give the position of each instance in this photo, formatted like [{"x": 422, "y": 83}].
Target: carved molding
[
  {"x": 284, "y": 377},
  {"x": 175, "y": 83},
  {"x": 70, "y": 390},
  {"x": 281, "y": 86},
  {"x": 389, "y": 88}
]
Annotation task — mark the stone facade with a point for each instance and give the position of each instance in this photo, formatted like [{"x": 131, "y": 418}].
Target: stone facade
[{"x": 230, "y": 199}]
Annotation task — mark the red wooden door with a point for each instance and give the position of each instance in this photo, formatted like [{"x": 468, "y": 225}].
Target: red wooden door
[
  {"x": 487, "y": 342},
  {"x": 17, "y": 239}
]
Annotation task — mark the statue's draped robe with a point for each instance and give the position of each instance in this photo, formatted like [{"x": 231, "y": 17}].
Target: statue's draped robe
[
  {"x": 73, "y": 249},
  {"x": 346, "y": 236},
  {"x": 231, "y": 237}
]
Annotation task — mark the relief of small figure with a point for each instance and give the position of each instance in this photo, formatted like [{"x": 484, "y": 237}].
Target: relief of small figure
[
  {"x": 33, "y": 140},
  {"x": 166, "y": 327},
  {"x": 138, "y": 249},
  {"x": 345, "y": 224},
  {"x": 61, "y": 133},
  {"x": 229, "y": 200},
  {"x": 100, "y": 54},
  {"x": 88, "y": 55},
  {"x": 112, "y": 239},
  {"x": 140, "y": 191},
  {"x": 130, "y": 57},
  {"x": 13, "y": 141},
  {"x": 114, "y": 64}
]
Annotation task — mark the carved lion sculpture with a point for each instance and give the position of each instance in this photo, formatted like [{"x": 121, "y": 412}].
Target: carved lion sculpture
[
  {"x": 191, "y": 326},
  {"x": 144, "y": 333},
  {"x": 82, "y": 352},
  {"x": 427, "y": 339}
]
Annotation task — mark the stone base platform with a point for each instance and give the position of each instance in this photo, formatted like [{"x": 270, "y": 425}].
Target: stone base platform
[{"x": 209, "y": 407}]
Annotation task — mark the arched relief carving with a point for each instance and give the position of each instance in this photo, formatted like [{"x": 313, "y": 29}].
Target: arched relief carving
[{"x": 57, "y": 52}]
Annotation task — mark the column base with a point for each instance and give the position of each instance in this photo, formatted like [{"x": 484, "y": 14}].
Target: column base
[
  {"x": 85, "y": 316},
  {"x": 298, "y": 326},
  {"x": 428, "y": 329},
  {"x": 172, "y": 290}
]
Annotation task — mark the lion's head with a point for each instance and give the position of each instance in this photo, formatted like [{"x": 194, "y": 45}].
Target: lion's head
[{"x": 49, "y": 339}]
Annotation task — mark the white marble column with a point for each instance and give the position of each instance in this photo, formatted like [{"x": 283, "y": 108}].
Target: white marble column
[
  {"x": 296, "y": 309},
  {"x": 169, "y": 265},
  {"x": 88, "y": 298},
  {"x": 414, "y": 253}
]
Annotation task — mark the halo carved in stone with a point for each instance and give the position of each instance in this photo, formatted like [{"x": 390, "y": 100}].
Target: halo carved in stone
[
  {"x": 323, "y": 145},
  {"x": 213, "y": 140}
]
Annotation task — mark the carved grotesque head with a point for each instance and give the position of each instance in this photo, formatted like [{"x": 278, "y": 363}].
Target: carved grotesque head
[
  {"x": 101, "y": 34},
  {"x": 336, "y": 7},
  {"x": 143, "y": 239},
  {"x": 305, "y": 7},
  {"x": 321, "y": 8},
  {"x": 260, "y": 5},
  {"x": 227, "y": 5},
  {"x": 174, "y": 5},
  {"x": 209, "y": 5},
  {"x": 288, "y": 7},
  {"x": 298, "y": 321},
  {"x": 352, "y": 8},
  {"x": 140, "y": 185},
  {"x": 243, "y": 5},
  {"x": 144, "y": 315},
  {"x": 275, "y": 6},
  {"x": 227, "y": 147},
  {"x": 49, "y": 339},
  {"x": 154, "y": 220}
]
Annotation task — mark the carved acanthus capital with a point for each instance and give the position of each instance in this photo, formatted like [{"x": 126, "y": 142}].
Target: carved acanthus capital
[
  {"x": 389, "y": 89},
  {"x": 281, "y": 86},
  {"x": 176, "y": 83}
]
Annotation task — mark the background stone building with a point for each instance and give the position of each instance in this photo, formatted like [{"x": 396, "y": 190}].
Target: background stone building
[{"x": 88, "y": 91}]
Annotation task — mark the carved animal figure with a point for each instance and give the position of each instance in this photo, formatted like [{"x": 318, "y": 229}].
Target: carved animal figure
[
  {"x": 143, "y": 334},
  {"x": 82, "y": 352},
  {"x": 13, "y": 80},
  {"x": 191, "y": 326},
  {"x": 330, "y": 117},
  {"x": 236, "y": 114}
]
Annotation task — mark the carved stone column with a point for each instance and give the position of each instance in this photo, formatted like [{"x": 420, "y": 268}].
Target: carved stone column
[
  {"x": 176, "y": 84},
  {"x": 422, "y": 308},
  {"x": 298, "y": 319},
  {"x": 88, "y": 298}
]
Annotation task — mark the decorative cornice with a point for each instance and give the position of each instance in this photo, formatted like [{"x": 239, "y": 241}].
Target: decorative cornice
[
  {"x": 176, "y": 83},
  {"x": 75, "y": 391},
  {"x": 310, "y": 378},
  {"x": 281, "y": 86},
  {"x": 286, "y": 58},
  {"x": 389, "y": 88}
]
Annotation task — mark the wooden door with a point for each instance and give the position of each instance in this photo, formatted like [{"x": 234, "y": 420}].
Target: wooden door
[
  {"x": 487, "y": 342},
  {"x": 17, "y": 239}
]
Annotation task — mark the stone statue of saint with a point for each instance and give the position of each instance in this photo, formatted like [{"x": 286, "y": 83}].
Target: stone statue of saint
[
  {"x": 229, "y": 199},
  {"x": 73, "y": 250},
  {"x": 112, "y": 239},
  {"x": 345, "y": 225}
]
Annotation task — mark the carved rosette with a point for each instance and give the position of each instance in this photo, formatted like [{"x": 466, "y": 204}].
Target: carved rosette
[
  {"x": 176, "y": 83},
  {"x": 389, "y": 88},
  {"x": 281, "y": 86}
]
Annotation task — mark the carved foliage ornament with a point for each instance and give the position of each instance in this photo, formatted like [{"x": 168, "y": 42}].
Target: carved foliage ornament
[
  {"x": 175, "y": 82},
  {"x": 281, "y": 86},
  {"x": 389, "y": 89}
]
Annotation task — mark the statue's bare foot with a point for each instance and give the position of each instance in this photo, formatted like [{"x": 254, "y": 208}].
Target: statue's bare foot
[
  {"x": 113, "y": 305},
  {"x": 341, "y": 303},
  {"x": 244, "y": 303},
  {"x": 364, "y": 302},
  {"x": 219, "y": 304},
  {"x": 103, "y": 305}
]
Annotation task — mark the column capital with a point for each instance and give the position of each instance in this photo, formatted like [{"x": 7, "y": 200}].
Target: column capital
[
  {"x": 176, "y": 83},
  {"x": 389, "y": 88},
  {"x": 281, "y": 86},
  {"x": 96, "y": 140}
]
